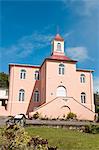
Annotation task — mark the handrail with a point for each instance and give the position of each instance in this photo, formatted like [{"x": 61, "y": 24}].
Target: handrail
[
  {"x": 81, "y": 104},
  {"x": 45, "y": 104},
  {"x": 63, "y": 99}
]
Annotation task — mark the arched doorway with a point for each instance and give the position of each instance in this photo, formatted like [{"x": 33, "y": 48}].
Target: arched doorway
[{"x": 61, "y": 91}]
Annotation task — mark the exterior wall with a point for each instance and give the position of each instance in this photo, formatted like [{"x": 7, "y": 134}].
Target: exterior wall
[
  {"x": 43, "y": 82},
  {"x": 47, "y": 85},
  {"x": 53, "y": 79},
  {"x": 29, "y": 84},
  {"x": 87, "y": 88},
  {"x": 71, "y": 81},
  {"x": 3, "y": 111}
]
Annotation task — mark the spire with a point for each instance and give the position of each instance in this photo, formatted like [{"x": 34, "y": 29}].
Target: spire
[
  {"x": 58, "y": 45},
  {"x": 58, "y": 37}
]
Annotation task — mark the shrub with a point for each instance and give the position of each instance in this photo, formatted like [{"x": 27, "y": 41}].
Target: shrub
[
  {"x": 36, "y": 115},
  {"x": 91, "y": 129},
  {"x": 71, "y": 116},
  {"x": 37, "y": 142},
  {"x": 14, "y": 137},
  {"x": 44, "y": 117}
]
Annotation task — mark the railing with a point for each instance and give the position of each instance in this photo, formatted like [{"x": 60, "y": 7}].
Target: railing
[
  {"x": 65, "y": 99},
  {"x": 77, "y": 102}
]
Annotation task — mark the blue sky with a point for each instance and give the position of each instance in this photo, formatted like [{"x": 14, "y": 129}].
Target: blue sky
[{"x": 28, "y": 26}]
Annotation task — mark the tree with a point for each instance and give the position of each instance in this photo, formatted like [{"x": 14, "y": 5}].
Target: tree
[
  {"x": 4, "y": 83},
  {"x": 96, "y": 99}
]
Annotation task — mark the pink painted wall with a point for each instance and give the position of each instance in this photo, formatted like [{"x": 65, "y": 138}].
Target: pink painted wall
[
  {"x": 47, "y": 85},
  {"x": 43, "y": 82},
  {"x": 54, "y": 109},
  {"x": 70, "y": 80},
  {"x": 54, "y": 79},
  {"x": 3, "y": 111},
  {"x": 28, "y": 84}
]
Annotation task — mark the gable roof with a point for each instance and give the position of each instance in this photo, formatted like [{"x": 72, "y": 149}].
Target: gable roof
[
  {"x": 58, "y": 38},
  {"x": 60, "y": 57}
]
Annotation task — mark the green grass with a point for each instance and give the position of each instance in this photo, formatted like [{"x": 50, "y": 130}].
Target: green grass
[{"x": 66, "y": 139}]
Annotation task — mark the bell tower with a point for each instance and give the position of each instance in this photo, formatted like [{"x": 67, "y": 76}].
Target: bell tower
[{"x": 58, "y": 45}]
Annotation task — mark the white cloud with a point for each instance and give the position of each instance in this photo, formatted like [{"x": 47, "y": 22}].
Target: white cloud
[
  {"x": 66, "y": 35},
  {"x": 27, "y": 45},
  {"x": 78, "y": 53},
  {"x": 82, "y": 7},
  {"x": 96, "y": 84}
]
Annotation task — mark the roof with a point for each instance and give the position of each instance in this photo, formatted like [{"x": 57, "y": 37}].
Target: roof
[
  {"x": 60, "y": 57},
  {"x": 24, "y": 65},
  {"x": 58, "y": 38},
  {"x": 85, "y": 70}
]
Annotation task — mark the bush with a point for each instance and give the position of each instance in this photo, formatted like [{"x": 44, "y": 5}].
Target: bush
[
  {"x": 91, "y": 129},
  {"x": 36, "y": 115},
  {"x": 71, "y": 116},
  {"x": 37, "y": 143},
  {"x": 44, "y": 117},
  {"x": 14, "y": 137}
]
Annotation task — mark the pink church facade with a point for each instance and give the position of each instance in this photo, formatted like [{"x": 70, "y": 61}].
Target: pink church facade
[{"x": 53, "y": 89}]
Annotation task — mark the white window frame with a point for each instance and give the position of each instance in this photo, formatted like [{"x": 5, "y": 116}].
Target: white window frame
[
  {"x": 23, "y": 74},
  {"x": 61, "y": 69},
  {"x": 83, "y": 97},
  {"x": 59, "y": 47},
  {"x": 37, "y": 75},
  {"x": 61, "y": 89},
  {"x": 82, "y": 78},
  {"x": 21, "y": 95},
  {"x": 36, "y": 96}
]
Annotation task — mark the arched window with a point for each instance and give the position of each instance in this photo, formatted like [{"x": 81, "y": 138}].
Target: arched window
[
  {"x": 58, "y": 47},
  {"x": 61, "y": 91},
  {"x": 61, "y": 69},
  {"x": 82, "y": 78},
  {"x": 23, "y": 74},
  {"x": 21, "y": 95},
  {"x": 83, "y": 97},
  {"x": 37, "y": 76},
  {"x": 36, "y": 96}
]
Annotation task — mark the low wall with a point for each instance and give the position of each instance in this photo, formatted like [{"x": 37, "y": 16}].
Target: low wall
[{"x": 3, "y": 111}]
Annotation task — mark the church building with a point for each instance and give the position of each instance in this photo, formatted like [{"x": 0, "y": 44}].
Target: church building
[{"x": 53, "y": 89}]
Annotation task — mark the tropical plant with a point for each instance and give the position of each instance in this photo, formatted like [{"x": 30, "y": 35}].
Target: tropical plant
[
  {"x": 36, "y": 115},
  {"x": 71, "y": 115}
]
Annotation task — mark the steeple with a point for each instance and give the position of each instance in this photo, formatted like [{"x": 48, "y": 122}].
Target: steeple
[
  {"x": 58, "y": 45},
  {"x": 58, "y": 38}
]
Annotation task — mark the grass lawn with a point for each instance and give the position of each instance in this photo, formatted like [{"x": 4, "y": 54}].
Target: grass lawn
[{"x": 66, "y": 139}]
